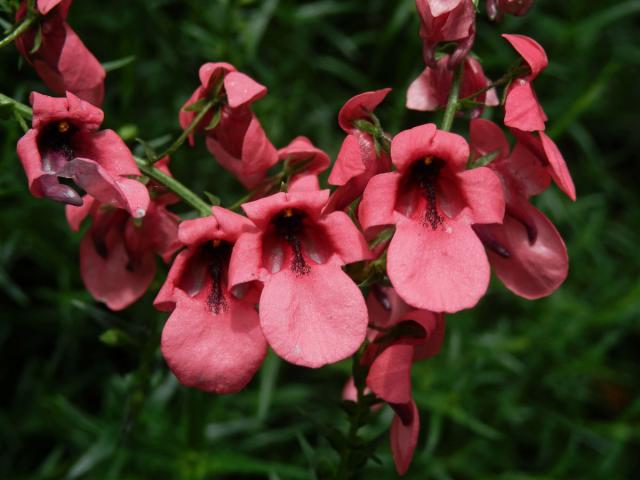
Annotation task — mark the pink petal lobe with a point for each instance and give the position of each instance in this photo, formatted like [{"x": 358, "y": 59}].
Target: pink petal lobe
[
  {"x": 346, "y": 240},
  {"x": 349, "y": 162},
  {"x": 218, "y": 353},
  {"x": 109, "y": 150},
  {"x": 486, "y": 137},
  {"x": 530, "y": 50},
  {"x": 404, "y": 438},
  {"x": 409, "y": 145},
  {"x": 483, "y": 192},
  {"x": 76, "y": 215},
  {"x": 242, "y": 89},
  {"x": 313, "y": 319},
  {"x": 390, "y": 374},
  {"x": 45, "y": 6},
  {"x": 522, "y": 109},
  {"x": 558, "y": 170},
  {"x": 378, "y": 201},
  {"x": 245, "y": 265},
  {"x": 29, "y": 156},
  {"x": 443, "y": 270},
  {"x": 359, "y": 107}
]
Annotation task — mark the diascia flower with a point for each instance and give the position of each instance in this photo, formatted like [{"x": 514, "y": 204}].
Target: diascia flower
[
  {"x": 212, "y": 339},
  {"x": 306, "y": 161},
  {"x": 311, "y": 312},
  {"x": 400, "y": 336},
  {"x": 435, "y": 261},
  {"x": 430, "y": 90},
  {"x": 61, "y": 60},
  {"x": 65, "y": 143},
  {"x": 522, "y": 109},
  {"x": 446, "y": 21},
  {"x": 359, "y": 158},
  {"x": 496, "y": 9},
  {"x": 118, "y": 252},
  {"x": 233, "y": 133},
  {"x": 526, "y": 251}
]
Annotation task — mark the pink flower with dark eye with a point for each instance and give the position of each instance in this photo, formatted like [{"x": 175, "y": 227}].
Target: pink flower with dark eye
[
  {"x": 62, "y": 61},
  {"x": 212, "y": 340},
  {"x": 236, "y": 138},
  {"x": 435, "y": 261},
  {"x": 526, "y": 251},
  {"x": 117, "y": 254},
  {"x": 65, "y": 143},
  {"x": 359, "y": 158},
  {"x": 446, "y": 21},
  {"x": 522, "y": 109},
  {"x": 399, "y": 337},
  {"x": 496, "y": 9},
  {"x": 430, "y": 90},
  {"x": 311, "y": 312}
]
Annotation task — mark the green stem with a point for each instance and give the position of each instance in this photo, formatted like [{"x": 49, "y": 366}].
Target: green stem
[
  {"x": 506, "y": 78},
  {"x": 175, "y": 186},
  {"x": 19, "y": 30},
  {"x": 171, "y": 149},
  {"x": 18, "y": 107},
  {"x": 452, "y": 102}
]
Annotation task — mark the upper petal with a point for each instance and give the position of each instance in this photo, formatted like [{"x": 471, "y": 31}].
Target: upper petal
[
  {"x": 349, "y": 162},
  {"x": 313, "y": 319},
  {"x": 486, "y": 137},
  {"x": 359, "y": 107},
  {"x": 530, "y": 50},
  {"x": 484, "y": 196},
  {"x": 522, "y": 109},
  {"x": 390, "y": 374},
  {"x": 346, "y": 240},
  {"x": 404, "y": 438},
  {"x": 241, "y": 89},
  {"x": 378, "y": 201}
]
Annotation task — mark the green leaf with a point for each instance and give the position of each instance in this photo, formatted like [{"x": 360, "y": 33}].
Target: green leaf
[
  {"x": 484, "y": 160},
  {"x": 215, "y": 119},
  {"x": 119, "y": 63},
  {"x": 213, "y": 199},
  {"x": 196, "y": 106},
  {"x": 37, "y": 41},
  {"x": 149, "y": 151}
]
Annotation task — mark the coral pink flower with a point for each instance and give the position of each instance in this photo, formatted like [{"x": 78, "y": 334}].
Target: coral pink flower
[
  {"x": 64, "y": 142},
  {"x": 237, "y": 141},
  {"x": 526, "y": 251},
  {"x": 62, "y": 61},
  {"x": 522, "y": 109},
  {"x": 390, "y": 365},
  {"x": 496, "y": 9},
  {"x": 117, "y": 254},
  {"x": 311, "y": 312},
  {"x": 446, "y": 21},
  {"x": 212, "y": 340},
  {"x": 430, "y": 90},
  {"x": 306, "y": 160},
  {"x": 358, "y": 159},
  {"x": 435, "y": 260}
]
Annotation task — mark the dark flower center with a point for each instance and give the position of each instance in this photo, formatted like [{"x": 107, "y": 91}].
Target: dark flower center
[
  {"x": 216, "y": 257},
  {"x": 54, "y": 143},
  {"x": 289, "y": 226},
  {"x": 426, "y": 173}
]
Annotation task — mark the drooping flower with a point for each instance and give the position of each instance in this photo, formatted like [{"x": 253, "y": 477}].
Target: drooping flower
[
  {"x": 430, "y": 90},
  {"x": 526, "y": 251},
  {"x": 212, "y": 339},
  {"x": 446, "y": 21},
  {"x": 496, "y": 9},
  {"x": 435, "y": 260},
  {"x": 311, "y": 312},
  {"x": 359, "y": 158},
  {"x": 65, "y": 143},
  {"x": 399, "y": 337},
  {"x": 117, "y": 254},
  {"x": 61, "y": 60},
  {"x": 522, "y": 109},
  {"x": 236, "y": 137}
]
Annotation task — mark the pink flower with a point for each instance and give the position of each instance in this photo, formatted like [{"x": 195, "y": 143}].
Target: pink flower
[
  {"x": 390, "y": 363},
  {"x": 64, "y": 142},
  {"x": 430, "y": 90},
  {"x": 212, "y": 340},
  {"x": 496, "y": 9},
  {"x": 311, "y": 312},
  {"x": 522, "y": 109},
  {"x": 306, "y": 160},
  {"x": 62, "y": 61},
  {"x": 526, "y": 251},
  {"x": 435, "y": 261},
  {"x": 446, "y": 21},
  {"x": 117, "y": 254},
  {"x": 358, "y": 159},
  {"x": 237, "y": 141}
]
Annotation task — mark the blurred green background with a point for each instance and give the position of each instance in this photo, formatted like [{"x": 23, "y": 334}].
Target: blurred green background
[{"x": 522, "y": 390}]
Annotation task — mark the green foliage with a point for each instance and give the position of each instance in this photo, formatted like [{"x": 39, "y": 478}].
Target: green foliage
[{"x": 522, "y": 390}]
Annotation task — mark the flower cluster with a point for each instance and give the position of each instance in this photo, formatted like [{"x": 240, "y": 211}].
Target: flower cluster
[{"x": 415, "y": 223}]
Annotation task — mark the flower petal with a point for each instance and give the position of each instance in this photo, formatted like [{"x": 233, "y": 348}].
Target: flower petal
[
  {"x": 486, "y": 137},
  {"x": 559, "y": 171},
  {"x": 313, "y": 319},
  {"x": 530, "y": 50},
  {"x": 482, "y": 190},
  {"x": 443, "y": 270},
  {"x": 241, "y": 89},
  {"x": 359, "y": 107},
  {"x": 390, "y": 374},
  {"x": 349, "y": 162},
  {"x": 522, "y": 109},
  {"x": 347, "y": 241},
  {"x": 378, "y": 201},
  {"x": 404, "y": 438}
]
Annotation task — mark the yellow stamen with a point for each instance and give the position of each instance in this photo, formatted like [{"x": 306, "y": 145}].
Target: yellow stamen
[
  {"x": 216, "y": 242},
  {"x": 288, "y": 212},
  {"x": 63, "y": 126},
  {"x": 428, "y": 161}
]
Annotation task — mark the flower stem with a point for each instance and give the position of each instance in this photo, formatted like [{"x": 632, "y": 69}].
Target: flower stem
[
  {"x": 171, "y": 149},
  {"x": 452, "y": 102},
  {"x": 19, "y": 30},
  {"x": 506, "y": 78},
  {"x": 175, "y": 186}
]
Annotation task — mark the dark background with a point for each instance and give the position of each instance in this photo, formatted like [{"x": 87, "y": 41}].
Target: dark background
[{"x": 522, "y": 390}]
